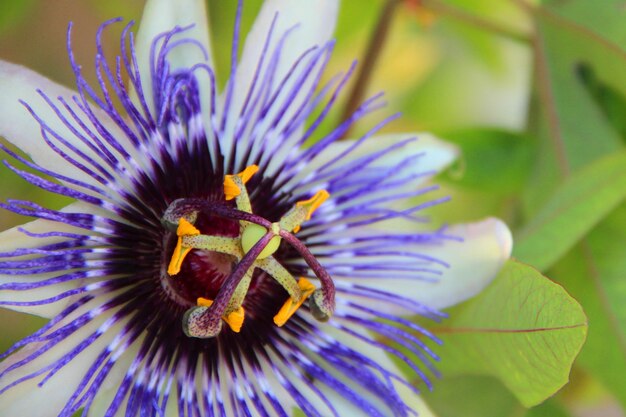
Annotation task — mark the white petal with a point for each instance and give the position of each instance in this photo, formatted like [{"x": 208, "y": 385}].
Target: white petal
[
  {"x": 474, "y": 263},
  {"x": 315, "y": 21},
  {"x": 342, "y": 405},
  {"x": 109, "y": 388},
  {"x": 27, "y": 398},
  {"x": 412, "y": 400},
  {"x": 161, "y": 16},
  {"x": 306, "y": 24},
  {"x": 437, "y": 155},
  {"x": 346, "y": 408},
  {"x": 13, "y": 239},
  {"x": 19, "y": 127}
]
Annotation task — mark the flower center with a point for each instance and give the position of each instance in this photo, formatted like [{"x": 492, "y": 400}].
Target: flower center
[
  {"x": 227, "y": 257},
  {"x": 203, "y": 272}
]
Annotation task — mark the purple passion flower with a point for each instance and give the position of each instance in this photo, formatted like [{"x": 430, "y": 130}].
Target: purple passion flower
[{"x": 217, "y": 262}]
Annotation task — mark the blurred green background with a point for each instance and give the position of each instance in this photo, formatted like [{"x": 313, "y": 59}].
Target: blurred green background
[{"x": 533, "y": 92}]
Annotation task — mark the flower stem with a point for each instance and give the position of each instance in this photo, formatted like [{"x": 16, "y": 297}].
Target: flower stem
[{"x": 374, "y": 48}]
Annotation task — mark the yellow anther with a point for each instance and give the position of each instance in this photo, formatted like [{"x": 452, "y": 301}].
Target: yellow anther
[
  {"x": 231, "y": 189},
  {"x": 204, "y": 302},
  {"x": 291, "y": 306},
  {"x": 233, "y": 319},
  {"x": 313, "y": 203},
  {"x": 186, "y": 229},
  {"x": 247, "y": 173},
  {"x": 180, "y": 252}
]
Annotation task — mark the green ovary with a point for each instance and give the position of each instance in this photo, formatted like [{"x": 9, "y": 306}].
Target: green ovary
[{"x": 251, "y": 234}]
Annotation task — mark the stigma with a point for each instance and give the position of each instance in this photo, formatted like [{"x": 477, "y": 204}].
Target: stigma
[{"x": 254, "y": 247}]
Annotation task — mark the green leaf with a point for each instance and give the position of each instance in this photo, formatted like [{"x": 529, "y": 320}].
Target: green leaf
[
  {"x": 296, "y": 412},
  {"x": 523, "y": 329},
  {"x": 610, "y": 101},
  {"x": 578, "y": 120},
  {"x": 572, "y": 128},
  {"x": 594, "y": 273},
  {"x": 11, "y": 332},
  {"x": 122, "y": 8},
  {"x": 547, "y": 409},
  {"x": 487, "y": 151},
  {"x": 12, "y": 13},
  {"x": 466, "y": 396},
  {"x": 598, "y": 21},
  {"x": 574, "y": 209}
]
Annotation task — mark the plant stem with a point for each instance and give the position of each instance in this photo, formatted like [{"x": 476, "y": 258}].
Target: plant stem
[{"x": 374, "y": 48}]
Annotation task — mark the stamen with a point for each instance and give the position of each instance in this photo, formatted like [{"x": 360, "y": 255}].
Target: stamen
[
  {"x": 292, "y": 305},
  {"x": 221, "y": 244},
  {"x": 253, "y": 248},
  {"x": 302, "y": 212},
  {"x": 204, "y": 302},
  {"x": 207, "y": 322},
  {"x": 235, "y": 319},
  {"x": 180, "y": 252},
  {"x": 274, "y": 269},
  {"x": 313, "y": 203},
  {"x": 322, "y": 303},
  {"x": 185, "y": 228},
  {"x": 234, "y": 310},
  {"x": 233, "y": 184}
]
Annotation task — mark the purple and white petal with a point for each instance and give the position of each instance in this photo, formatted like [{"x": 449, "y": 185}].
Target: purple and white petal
[
  {"x": 443, "y": 272},
  {"x": 24, "y": 110},
  {"x": 414, "y": 158},
  {"x": 159, "y": 18},
  {"x": 474, "y": 263},
  {"x": 43, "y": 249},
  {"x": 42, "y": 377},
  {"x": 280, "y": 67}
]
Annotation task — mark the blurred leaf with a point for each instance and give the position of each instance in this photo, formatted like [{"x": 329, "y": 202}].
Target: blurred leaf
[
  {"x": 354, "y": 19},
  {"x": 296, "y": 412},
  {"x": 493, "y": 160},
  {"x": 601, "y": 21},
  {"x": 574, "y": 209},
  {"x": 12, "y": 12},
  {"x": 481, "y": 396},
  {"x": 523, "y": 329},
  {"x": 547, "y": 409},
  {"x": 594, "y": 273},
  {"x": 466, "y": 396},
  {"x": 474, "y": 78},
  {"x": 118, "y": 8},
  {"x": 577, "y": 127},
  {"x": 15, "y": 326},
  {"x": 612, "y": 103},
  {"x": 573, "y": 129}
]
